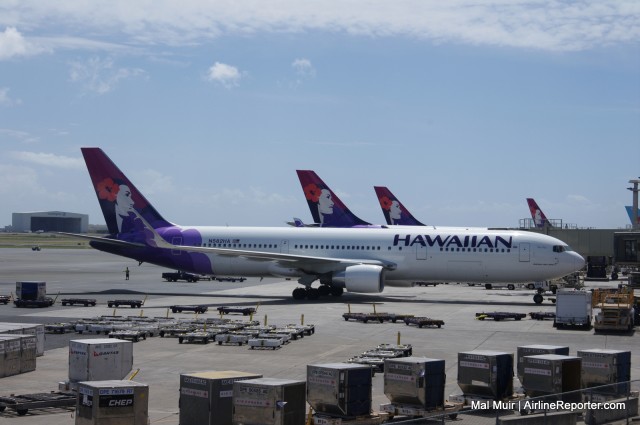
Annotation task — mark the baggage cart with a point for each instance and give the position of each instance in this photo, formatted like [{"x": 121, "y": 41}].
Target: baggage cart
[
  {"x": 58, "y": 328},
  {"x": 4, "y": 299},
  {"x": 195, "y": 308},
  {"x": 22, "y": 403},
  {"x": 376, "y": 363},
  {"x": 245, "y": 311},
  {"x": 405, "y": 349},
  {"x": 500, "y": 315},
  {"x": 79, "y": 301},
  {"x": 231, "y": 339},
  {"x": 371, "y": 419},
  {"x": 542, "y": 315},
  {"x": 272, "y": 343},
  {"x": 130, "y": 303},
  {"x": 192, "y": 337},
  {"x": 449, "y": 409},
  {"x": 423, "y": 321},
  {"x": 133, "y": 336}
]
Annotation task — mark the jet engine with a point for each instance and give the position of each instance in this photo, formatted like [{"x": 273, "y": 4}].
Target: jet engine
[{"x": 363, "y": 278}]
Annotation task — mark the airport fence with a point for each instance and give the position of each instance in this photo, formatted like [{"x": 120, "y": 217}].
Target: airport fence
[{"x": 615, "y": 403}]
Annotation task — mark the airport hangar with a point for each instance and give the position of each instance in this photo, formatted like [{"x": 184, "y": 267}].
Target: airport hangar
[{"x": 50, "y": 221}]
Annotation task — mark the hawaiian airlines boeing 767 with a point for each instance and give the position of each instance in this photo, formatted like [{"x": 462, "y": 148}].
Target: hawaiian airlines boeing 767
[{"x": 356, "y": 259}]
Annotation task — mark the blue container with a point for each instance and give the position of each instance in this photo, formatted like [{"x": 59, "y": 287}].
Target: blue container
[
  {"x": 415, "y": 381},
  {"x": 486, "y": 373},
  {"x": 603, "y": 368},
  {"x": 533, "y": 350}
]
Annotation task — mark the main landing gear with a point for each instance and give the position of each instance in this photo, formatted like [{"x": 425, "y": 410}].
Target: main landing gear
[{"x": 315, "y": 293}]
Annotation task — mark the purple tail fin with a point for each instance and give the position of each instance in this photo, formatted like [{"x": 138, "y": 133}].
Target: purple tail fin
[
  {"x": 119, "y": 199},
  {"x": 537, "y": 215},
  {"x": 326, "y": 208},
  {"x": 394, "y": 212}
]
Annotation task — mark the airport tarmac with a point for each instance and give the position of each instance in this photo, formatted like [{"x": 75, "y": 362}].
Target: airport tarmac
[{"x": 93, "y": 274}]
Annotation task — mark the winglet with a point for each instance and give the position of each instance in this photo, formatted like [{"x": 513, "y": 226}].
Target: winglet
[
  {"x": 326, "y": 208},
  {"x": 394, "y": 212}
]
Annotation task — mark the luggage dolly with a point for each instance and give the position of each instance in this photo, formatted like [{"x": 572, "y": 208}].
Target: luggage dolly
[
  {"x": 449, "y": 409},
  {"x": 22, "y": 403}
]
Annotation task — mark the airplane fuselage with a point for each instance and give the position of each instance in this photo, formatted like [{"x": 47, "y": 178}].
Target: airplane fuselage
[{"x": 408, "y": 253}]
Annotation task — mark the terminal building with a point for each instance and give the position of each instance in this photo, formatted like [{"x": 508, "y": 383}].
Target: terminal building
[{"x": 50, "y": 221}]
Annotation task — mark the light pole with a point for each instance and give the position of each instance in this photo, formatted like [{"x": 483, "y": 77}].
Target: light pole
[{"x": 634, "y": 211}]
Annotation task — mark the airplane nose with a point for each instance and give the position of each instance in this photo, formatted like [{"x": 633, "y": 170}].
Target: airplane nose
[{"x": 579, "y": 261}]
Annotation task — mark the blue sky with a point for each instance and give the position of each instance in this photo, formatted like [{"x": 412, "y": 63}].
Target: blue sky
[{"x": 462, "y": 108}]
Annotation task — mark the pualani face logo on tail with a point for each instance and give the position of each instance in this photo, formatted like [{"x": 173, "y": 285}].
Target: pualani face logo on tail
[
  {"x": 391, "y": 209},
  {"x": 118, "y": 195},
  {"x": 320, "y": 201}
]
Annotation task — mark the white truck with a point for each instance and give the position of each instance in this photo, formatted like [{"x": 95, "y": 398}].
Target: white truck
[{"x": 573, "y": 308}]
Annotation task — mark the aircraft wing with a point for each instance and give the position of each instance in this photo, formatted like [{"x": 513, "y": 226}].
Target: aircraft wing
[
  {"x": 105, "y": 240},
  {"x": 290, "y": 260}
]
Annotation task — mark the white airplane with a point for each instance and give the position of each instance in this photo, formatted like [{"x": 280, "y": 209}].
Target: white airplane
[{"x": 356, "y": 259}]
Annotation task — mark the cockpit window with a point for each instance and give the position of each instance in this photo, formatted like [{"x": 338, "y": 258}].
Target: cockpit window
[{"x": 561, "y": 248}]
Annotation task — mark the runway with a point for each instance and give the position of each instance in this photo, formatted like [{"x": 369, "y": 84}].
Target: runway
[{"x": 93, "y": 274}]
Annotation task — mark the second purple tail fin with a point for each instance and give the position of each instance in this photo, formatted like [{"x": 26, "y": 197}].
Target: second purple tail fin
[
  {"x": 326, "y": 208},
  {"x": 394, "y": 212}
]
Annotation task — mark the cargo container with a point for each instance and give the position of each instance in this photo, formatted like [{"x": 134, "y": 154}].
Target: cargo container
[
  {"x": 605, "y": 367},
  {"x": 99, "y": 359},
  {"x": 532, "y": 350},
  {"x": 28, "y": 353},
  {"x": 31, "y": 290},
  {"x": 339, "y": 389},
  {"x": 486, "y": 374},
  {"x": 112, "y": 402},
  {"x": 415, "y": 381},
  {"x": 269, "y": 401},
  {"x": 23, "y": 328},
  {"x": 206, "y": 398},
  {"x": 10, "y": 348},
  {"x": 546, "y": 374}
]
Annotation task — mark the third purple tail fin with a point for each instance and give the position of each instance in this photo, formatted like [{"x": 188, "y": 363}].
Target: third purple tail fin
[{"x": 537, "y": 215}]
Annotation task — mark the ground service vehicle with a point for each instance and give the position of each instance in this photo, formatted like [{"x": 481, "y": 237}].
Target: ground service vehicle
[
  {"x": 573, "y": 308},
  {"x": 180, "y": 275},
  {"x": 32, "y": 294}
]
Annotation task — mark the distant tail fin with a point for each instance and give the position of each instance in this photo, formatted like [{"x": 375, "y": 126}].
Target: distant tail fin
[
  {"x": 629, "y": 209},
  {"x": 119, "y": 199},
  {"x": 326, "y": 208},
  {"x": 537, "y": 215},
  {"x": 394, "y": 212}
]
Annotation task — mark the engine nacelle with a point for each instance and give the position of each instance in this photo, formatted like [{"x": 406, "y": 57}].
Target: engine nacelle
[{"x": 363, "y": 278}]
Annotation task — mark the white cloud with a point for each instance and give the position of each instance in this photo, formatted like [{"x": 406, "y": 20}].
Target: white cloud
[
  {"x": 6, "y": 100},
  {"x": 13, "y": 44},
  {"x": 154, "y": 182},
  {"x": 21, "y": 136},
  {"x": 17, "y": 180},
  {"x": 304, "y": 68},
  {"x": 100, "y": 75},
  {"x": 538, "y": 24},
  {"x": 226, "y": 75},
  {"x": 48, "y": 159}
]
